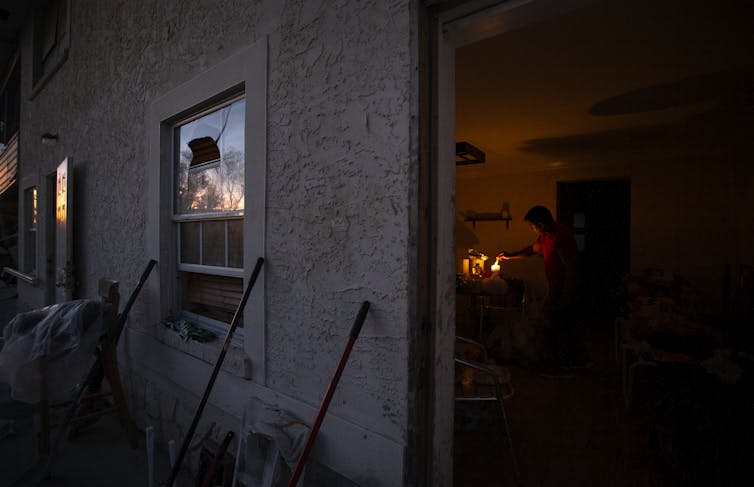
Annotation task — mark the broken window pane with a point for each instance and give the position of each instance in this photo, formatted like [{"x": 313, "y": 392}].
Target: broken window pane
[
  {"x": 208, "y": 203},
  {"x": 205, "y": 183}
]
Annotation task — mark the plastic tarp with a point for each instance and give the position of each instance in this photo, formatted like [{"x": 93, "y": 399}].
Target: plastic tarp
[{"x": 50, "y": 349}]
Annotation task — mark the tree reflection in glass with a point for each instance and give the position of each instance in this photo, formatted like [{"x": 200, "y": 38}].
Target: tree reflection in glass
[{"x": 217, "y": 185}]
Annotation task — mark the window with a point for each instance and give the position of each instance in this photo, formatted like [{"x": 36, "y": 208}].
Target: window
[
  {"x": 51, "y": 40},
  {"x": 10, "y": 104},
  {"x": 30, "y": 228},
  {"x": 204, "y": 241},
  {"x": 208, "y": 210}
]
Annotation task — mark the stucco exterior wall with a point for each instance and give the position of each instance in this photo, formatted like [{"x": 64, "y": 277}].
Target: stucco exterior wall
[{"x": 339, "y": 180}]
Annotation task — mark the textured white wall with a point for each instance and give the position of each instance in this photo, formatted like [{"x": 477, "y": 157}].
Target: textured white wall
[
  {"x": 338, "y": 182},
  {"x": 339, "y": 177}
]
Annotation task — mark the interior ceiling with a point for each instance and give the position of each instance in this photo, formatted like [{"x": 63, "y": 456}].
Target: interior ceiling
[{"x": 616, "y": 75}]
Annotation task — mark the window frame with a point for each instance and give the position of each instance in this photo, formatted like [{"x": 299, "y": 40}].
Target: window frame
[
  {"x": 44, "y": 66},
  {"x": 243, "y": 72},
  {"x": 215, "y": 325}
]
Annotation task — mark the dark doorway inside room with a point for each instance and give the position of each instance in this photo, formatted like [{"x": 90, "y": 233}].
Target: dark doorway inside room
[{"x": 599, "y": 212}]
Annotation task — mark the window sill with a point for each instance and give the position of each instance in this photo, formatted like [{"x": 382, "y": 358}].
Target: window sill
[{"x": 235, "y": 361}]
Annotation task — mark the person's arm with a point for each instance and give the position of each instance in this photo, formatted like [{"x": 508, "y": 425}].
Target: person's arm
[{"x": 529, "y": 251}]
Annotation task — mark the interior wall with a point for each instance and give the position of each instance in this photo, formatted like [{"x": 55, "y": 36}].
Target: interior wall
[
  {"x": 665, "y": 103},
  {"x": 688, "y": 217}
]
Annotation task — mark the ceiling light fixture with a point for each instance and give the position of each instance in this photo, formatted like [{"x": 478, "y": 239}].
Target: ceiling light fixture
[{"x": 468, "y": 154}]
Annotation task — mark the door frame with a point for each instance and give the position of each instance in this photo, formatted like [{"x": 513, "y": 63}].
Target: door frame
[
  {"x": 59, "y": 274},
  {"x": 50, "y": 222},
  {"x": 449, "y": 24}
]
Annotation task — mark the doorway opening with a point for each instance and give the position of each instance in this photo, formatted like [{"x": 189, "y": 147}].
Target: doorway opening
[{"x": 574, "y": 112}]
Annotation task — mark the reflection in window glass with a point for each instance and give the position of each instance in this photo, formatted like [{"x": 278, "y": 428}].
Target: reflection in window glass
[
  {"x": 213, "y": 243},
  {"x": 190, "y": 242},
  {"x": 213, "y": 185},
  {"x": 235, "y": 243},
  {"x": 208, "y": 202}
]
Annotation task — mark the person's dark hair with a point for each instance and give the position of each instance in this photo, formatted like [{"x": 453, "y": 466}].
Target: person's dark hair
[{"x": 539, "y": 214}]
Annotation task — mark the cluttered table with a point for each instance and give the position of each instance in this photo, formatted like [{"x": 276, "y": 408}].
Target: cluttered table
[{"x": 476, "y": 296}]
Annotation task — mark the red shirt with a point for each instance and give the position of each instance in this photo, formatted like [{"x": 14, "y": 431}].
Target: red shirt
[{"x": 559, "y": 250}]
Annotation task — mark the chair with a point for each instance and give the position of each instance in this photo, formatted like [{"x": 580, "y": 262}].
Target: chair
[
  {"x": 634, "y": 352},
  {"x": 479, "y": 381}
]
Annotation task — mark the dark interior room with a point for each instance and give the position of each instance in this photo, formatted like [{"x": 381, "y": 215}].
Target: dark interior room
[{"x": 632, "y": 122}]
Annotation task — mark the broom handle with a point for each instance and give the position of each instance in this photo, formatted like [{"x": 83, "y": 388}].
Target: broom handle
[
  {"x": 218, "y": 364},
  {"x": 127, "y": 308},
  {"x": 328, "y": 395}
]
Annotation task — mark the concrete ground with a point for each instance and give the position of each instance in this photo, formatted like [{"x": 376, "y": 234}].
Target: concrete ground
[
  {"x": 566, "y": 432},
  {"x": 571, "y": 431},
  {"x": 98, "y": 457}
]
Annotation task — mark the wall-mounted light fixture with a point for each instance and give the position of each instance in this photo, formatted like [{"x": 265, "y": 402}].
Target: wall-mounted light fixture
[{"x": 49, "y": 139}]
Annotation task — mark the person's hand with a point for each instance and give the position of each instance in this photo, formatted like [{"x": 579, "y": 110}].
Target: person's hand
[{"x": 504, "y": 255}]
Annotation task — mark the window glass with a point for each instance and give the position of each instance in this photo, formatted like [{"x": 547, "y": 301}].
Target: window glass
[
  {"x": 208, "y": 209},
  {"x": 213, "y": 243},
  {"x": 210, "y": 166},
  {"x": 215, "y": 297},
  {"x": 51, "y": 39},
  {"x": 190, "y": 242},
  {"x": 580, "y": 242},
  {"x": 579, "y": 220},
  {"x": 31, "y": 212},
  {"x": 235, "y": 243}
]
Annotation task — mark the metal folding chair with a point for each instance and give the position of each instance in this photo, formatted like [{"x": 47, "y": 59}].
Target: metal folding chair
[{"x": 487, "y": 383}]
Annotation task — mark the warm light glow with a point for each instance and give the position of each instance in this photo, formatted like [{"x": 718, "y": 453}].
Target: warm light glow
[
  {"x": 61, "y": 196},
  {"x": 34, "y": 208},
  {"x": 496, "y": 266},
  {"x": 211, "y": 160}
]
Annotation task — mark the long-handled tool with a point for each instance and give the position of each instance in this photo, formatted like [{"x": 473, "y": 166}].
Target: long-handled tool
[
  {"x": 110, "y": 340},
  {"x": 218, "y": 364},
  {"x": 328, "y": 395},
  {"x": 207, "y": 482}
]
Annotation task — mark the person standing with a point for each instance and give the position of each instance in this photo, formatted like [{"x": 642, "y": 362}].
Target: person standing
[{"x": 557, "y": 246}]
